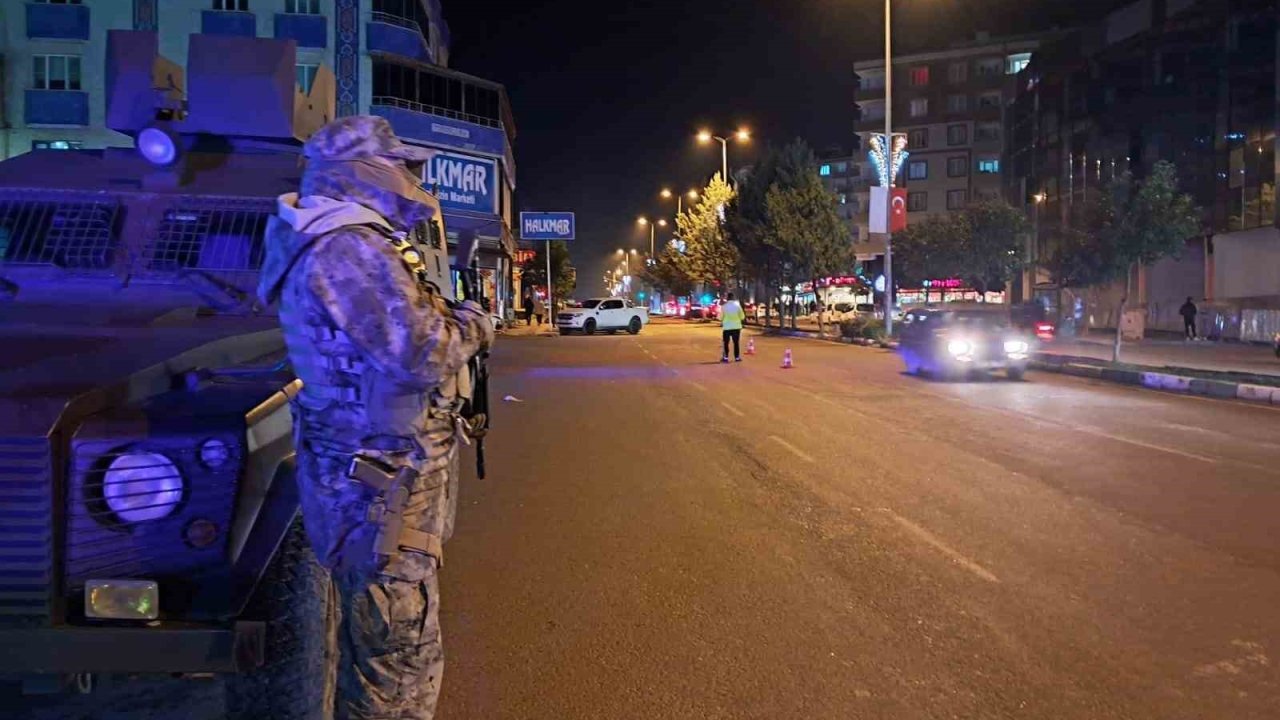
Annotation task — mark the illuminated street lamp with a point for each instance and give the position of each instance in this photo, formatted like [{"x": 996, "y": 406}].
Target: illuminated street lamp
[
  {"x": 652, "y": 230},
  {"x": 667, "y": 195},
  {"x": 626, "y": 260},
  {"x": 743, "y": 135}
]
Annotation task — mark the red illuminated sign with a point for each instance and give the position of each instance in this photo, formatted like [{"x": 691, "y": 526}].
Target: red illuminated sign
[{"x": 947, "y": 284}]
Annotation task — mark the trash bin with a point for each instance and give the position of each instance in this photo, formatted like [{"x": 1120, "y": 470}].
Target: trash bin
[{"x": 1133, "y": 325}]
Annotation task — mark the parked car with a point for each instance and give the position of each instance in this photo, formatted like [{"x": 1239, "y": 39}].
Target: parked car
[
  {"x": 603, "y": 314},
  {"x": 696, "y": 312},
  {"x": 1033, "y": 318},
  {"x": 957, "y": 343}
]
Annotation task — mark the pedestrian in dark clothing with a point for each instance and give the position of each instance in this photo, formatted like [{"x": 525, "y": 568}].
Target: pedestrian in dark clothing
[
  {"x": 528, "y": 310},
  {"x": 1188, "y": 312}
]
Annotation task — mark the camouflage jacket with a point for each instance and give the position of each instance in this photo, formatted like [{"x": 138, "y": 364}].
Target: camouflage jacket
[{"x": 377, "y": 355}]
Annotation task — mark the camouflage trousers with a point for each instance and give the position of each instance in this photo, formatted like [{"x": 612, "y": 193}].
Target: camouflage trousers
[{"x": 386, "y": 640}]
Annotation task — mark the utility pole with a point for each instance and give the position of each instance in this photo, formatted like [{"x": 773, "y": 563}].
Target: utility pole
[{"x": 888, "y": 190}]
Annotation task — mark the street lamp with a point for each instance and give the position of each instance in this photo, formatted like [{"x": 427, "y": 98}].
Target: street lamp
[
  {"x": 743, "y": 135},
  {"x": 667, "y": 195},
  {"x": 626, "y": 260},
  {"x": 652, "y": 230}
]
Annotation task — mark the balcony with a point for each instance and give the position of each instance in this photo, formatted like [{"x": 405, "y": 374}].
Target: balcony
[
  {"x": 310, "y": 31},
  {"x": 47, "y": 21},
  {"x": 57, "y": 107},
  {"x": 227, "y": 22},
  {"x": 397, "y": 36}
]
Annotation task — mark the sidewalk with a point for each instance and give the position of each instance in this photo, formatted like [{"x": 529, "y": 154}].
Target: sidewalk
[
  {"x": 1200, "y": 355},
  {"x": 522, "y": 330}
]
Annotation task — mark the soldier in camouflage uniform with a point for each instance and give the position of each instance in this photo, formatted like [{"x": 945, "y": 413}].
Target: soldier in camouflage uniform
[{"x": 379, "y": 356}]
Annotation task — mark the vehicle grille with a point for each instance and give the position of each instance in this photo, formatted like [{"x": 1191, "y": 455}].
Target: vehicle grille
[
  {"x": 564, "y": 316},
  {"x": 25, "y": 537}
]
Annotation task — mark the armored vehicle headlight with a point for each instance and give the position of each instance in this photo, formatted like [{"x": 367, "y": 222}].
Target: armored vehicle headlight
[
  {"x": 158, "y": 145},
  {"x": 214, "y": 453},
  {"x": 139, "y": 487}
]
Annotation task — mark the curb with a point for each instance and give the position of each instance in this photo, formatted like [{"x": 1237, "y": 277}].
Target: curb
[{"x": 1165, "y": 382}]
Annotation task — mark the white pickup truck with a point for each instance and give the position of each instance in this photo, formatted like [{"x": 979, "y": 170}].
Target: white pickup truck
[{"x": 602, "y": 314}]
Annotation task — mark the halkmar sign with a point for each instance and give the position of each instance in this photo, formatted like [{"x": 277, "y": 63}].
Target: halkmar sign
[
  {"x": 546, "y": 226},
  {"x": 465, "y": 182}
]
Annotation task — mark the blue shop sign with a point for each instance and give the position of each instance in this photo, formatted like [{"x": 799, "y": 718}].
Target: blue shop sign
[
  {"x": 464, "y": 182},
  {"x": 547, "y": 226}
]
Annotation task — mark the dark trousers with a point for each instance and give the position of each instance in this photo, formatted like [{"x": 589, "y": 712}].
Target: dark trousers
[
  {"x": 1189, "y": 324},
  {"x": 528, "y": 316},
  {"x": 737, "y": 337}
]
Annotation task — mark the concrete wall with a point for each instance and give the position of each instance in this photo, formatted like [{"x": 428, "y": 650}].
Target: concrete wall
[{"x": 1247, "y": 264}]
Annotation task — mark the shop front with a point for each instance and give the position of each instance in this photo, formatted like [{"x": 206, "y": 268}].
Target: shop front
[{"x": 945, "y": 290}]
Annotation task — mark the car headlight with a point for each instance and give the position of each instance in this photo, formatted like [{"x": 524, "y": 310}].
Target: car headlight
[
  {"x": 960, "y": 347},
  {"x": 139, "y": 487},
  {"x": 1016, "y": 347}
]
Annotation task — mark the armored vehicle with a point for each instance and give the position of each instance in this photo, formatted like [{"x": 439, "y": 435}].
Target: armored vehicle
[{"x": 148, "y": 511}]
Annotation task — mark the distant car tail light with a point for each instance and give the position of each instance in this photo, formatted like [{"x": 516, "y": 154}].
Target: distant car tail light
[
  {"x": 122, "y": 599},
  {"x": 1045, "y": 331}
]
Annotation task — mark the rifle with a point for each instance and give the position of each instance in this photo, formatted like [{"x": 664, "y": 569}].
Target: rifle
[{"x": 476, "y": 409}]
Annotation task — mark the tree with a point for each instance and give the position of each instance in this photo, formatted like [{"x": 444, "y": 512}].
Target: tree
[
  {"x": 926, "y": 249},
  {"x": 808, "y": 230},
  {"x": 534, "y": 270},
  {"x": 1130, "y": 224},
  {"x": 666, "y": 274},
  {"x": 708, "y": 258},
  {"x": 747, "y": 225},
  {"x": 990, "y": 234}
]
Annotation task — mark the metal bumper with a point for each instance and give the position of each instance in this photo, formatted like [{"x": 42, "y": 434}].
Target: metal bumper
[{"x": 164, "y": 648}]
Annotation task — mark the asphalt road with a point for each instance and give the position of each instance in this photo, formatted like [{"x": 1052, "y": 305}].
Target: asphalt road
[{"x": 662, "y": 536}]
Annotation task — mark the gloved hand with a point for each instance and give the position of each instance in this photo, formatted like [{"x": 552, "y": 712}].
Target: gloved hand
[{"x": 475, "y": 322}]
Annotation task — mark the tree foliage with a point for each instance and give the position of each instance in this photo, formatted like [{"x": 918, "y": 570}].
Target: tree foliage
[
  {"x": 534, "y": 270},
  {"x": 980, "y": 244},
  {"x": 708, "y": 257}
]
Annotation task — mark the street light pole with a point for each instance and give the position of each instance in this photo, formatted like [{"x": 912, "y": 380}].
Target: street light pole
[
  {"x": 724, "y": 159},
  {"x": 888, "y": 190}
]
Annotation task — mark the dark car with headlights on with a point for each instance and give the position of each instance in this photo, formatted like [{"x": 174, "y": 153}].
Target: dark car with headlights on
[
  {"x": 148, "y": 508},
  {"x": 959, "y": 343}
]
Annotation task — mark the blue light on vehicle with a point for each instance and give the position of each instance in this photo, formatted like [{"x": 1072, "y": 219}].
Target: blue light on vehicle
[
  {"x": 706, "y": 299},
  {"x": 139, "y": 487},
  {"x": 214, "y": 453},
  {"x": 158, "y": 146}
]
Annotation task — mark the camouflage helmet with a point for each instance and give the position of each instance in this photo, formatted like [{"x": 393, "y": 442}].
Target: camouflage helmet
[{"x": 357, "y": 137}]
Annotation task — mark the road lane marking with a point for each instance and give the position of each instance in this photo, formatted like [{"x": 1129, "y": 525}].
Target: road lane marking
[
  {"x": 698, "y": 385},
  {"x": 733, "y": 409},
  {"x": 797, "y": 451},
  {"x": 929, "y": 539}
]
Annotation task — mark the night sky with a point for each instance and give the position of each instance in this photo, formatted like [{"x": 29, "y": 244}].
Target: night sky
[{"x": 607, "y": 96}]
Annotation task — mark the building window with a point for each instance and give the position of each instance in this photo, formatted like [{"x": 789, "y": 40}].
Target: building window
[
  {"x": 918, "y": 138},
  {"x": 920, "y": 76},
  {"x": 306, "y": 77},
  {"x": 957, "y": 73},
  {"x": 917, "y": 201},
  {"x": 918, "y": 170},
  {"x": 957, "y": 103},
  {"x": 1016, "y": 63},
  {"x": 57, "y": 144},
  {"x": 990, "y": 67},
  {"x": 987, "y": 131},
  {"x": 58, "y": 2},
  {"x": 844, "y": 199},
  {"x": 55, "y": 72},
  {"x": 302, "y": 7},
  {"x": 957, "y": 134},
  {"x": 841, "y": 168},
  {"x": 957, "y": 199},
  {"x": 872, "y": 80},
  {"x": 231, "y": 5},
  {"x": 919, "y": 107},
  {"x": 988, "y": 166},
  {"x": 988, "y": 101},
  {"x": 824, "y": 171},
  {"x": 957, "y": 167}
]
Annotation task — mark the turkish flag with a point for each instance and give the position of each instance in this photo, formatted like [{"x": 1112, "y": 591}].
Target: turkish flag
[{"x": 898, "y": 218}]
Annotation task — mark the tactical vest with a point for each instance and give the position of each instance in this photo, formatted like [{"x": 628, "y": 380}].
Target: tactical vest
[{"x": 345, "y": 399}]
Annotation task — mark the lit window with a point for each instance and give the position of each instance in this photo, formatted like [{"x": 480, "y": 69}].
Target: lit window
[
  {"x": 957, "y": 103},
  {"x": 917, "y": 201},
  {"x": 919, "y": 107},
  {"x": 957, "y": 167},
  {"x": 918, "y": 170},
  {"x": 844, "y": 199},
  {"x": 988, "y": 166},
  {"x": 920, "y": 76},
  {"x": 231, "y": 5},
  {"x": 302, "y": 7},
  {"x": 824, "y": 171},
  {"x": 918, "y": 138},
  {"x": 957, "y": 199},
  {"x": 957, "y": 73},
  {"x": 1016, "y": 63},
  {"x": 57, "y": 144},
  {"x": 55, "y": 72},
  {"x": 306, "y": 77}
]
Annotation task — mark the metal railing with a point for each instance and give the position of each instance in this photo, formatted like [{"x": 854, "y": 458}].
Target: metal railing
[
  {"x": 403, "y": 22},
  {"x": 218, "y": 235},
  {"x": 390, "y": 101}
]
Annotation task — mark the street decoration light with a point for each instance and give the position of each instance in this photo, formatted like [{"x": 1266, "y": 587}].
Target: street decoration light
[{"x": 742, "y": 135}]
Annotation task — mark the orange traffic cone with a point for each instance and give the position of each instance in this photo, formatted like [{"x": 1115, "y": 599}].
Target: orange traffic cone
[
  {"x": 751, "y": 346},
  {"x": 786, "y": 359}
]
